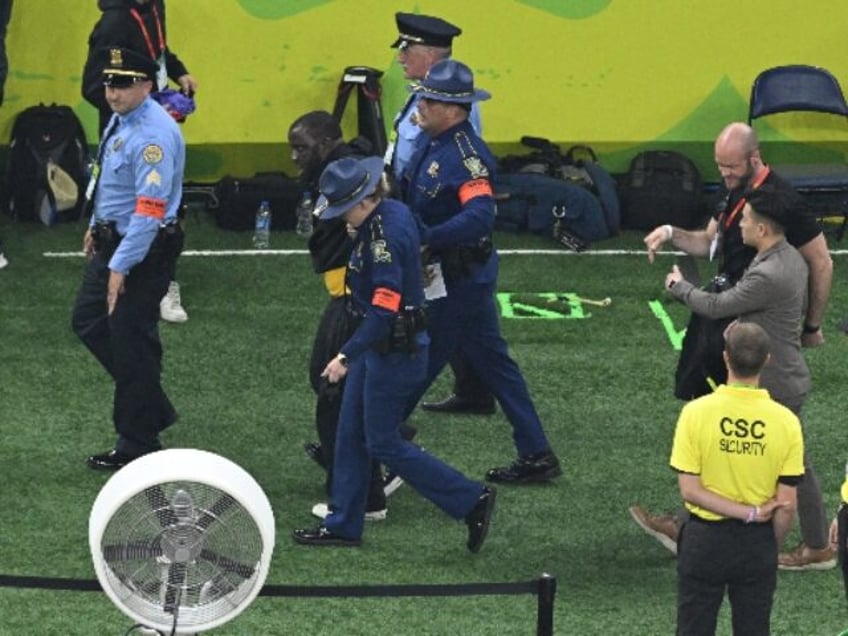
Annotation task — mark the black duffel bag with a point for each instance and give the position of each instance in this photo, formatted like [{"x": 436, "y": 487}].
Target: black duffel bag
[{"x": 237, "y": 199}]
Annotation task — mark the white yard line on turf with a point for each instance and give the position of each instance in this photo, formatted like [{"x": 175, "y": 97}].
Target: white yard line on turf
[{"x": 500, "y": 251}]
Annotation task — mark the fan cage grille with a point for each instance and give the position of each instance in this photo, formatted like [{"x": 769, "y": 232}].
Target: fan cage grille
[{"x": 202, "y": 562}]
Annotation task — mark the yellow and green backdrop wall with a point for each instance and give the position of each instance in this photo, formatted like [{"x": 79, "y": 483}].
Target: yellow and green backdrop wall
[{"x": 620, "y": 75}]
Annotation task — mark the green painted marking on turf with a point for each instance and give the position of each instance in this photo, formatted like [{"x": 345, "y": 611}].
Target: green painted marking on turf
[
  {"x": 544, "y": 306},
  {"x": 675, "y": 336}
]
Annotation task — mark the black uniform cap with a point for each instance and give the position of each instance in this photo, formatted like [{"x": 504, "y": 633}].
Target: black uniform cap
[
  {"x": 424, "y": 29},
  {"x": 122, "y": 67}
]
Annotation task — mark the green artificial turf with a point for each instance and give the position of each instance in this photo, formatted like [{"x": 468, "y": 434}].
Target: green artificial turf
[{"x": 237, "y": 372}]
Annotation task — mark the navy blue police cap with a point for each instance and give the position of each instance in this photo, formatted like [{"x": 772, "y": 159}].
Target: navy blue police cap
[
  {"x": 123, "y": 67},
  {"x": 423, "y": 29},
  {"x": 449, "y": 81}
]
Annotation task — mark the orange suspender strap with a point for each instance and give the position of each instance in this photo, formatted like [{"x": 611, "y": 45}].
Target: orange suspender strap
[
  {"x": 386, "y": 298},
  {"x": 475, "y": 188},
  {"x": 741, "y": 203},
  {"x": 148, "y": 206}
]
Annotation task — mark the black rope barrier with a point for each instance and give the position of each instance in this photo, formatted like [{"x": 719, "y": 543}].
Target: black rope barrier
[{"x": 544, "y": 588}]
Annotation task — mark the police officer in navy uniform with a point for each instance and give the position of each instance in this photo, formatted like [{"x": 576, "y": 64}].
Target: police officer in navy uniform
[
  {"x": 130, "y": 244},
  {"x": 447, "y": 186},
  {"x": 422, "y": 41},
  {"x": 384, "y": 361}
]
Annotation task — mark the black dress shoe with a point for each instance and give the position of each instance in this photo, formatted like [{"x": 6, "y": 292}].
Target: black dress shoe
[
  {"x": 313, "y": 451},
  {"x": 539, "y": 467},
  {"x": 457, "y": 404},
  {"x": 322, "y": 536},
  {"x": 479, "y": 518},
  {"x": 113, "y": 460}
]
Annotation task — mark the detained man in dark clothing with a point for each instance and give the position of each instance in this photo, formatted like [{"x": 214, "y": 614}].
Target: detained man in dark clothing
[{"x": 316, "y": 141}]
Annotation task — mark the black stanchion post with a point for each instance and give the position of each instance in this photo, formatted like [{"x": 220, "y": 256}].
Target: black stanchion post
[{"x": 547, "y": 592}]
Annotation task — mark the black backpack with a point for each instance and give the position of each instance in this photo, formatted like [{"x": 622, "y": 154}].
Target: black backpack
[
  {"x": 48, "y": 164},
  {"x": 662, "y": 187}
]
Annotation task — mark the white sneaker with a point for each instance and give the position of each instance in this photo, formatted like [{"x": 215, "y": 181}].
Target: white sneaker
[
  {"x": 170, "y": 308},
  {"x": 321, "y": 510},
  {"x": 3, "y": 261}
]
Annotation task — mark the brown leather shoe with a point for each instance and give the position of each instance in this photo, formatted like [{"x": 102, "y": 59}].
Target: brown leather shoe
[
  {"x": 804, "y": 558},
  {"x": 663, "y": 528}
]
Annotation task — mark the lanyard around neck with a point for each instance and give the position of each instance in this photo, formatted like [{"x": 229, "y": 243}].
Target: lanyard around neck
[
  {"x": 741, "y": 203},
  {"x": 135, "y": 14}
]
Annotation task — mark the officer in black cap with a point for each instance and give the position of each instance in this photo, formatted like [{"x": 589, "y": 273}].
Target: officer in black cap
[
  {"x": 424, "y": 29},
  {"x": 423, "y": 41},
  {"x": 123, "y": 67},
  {"x": 131, "y": 243}
]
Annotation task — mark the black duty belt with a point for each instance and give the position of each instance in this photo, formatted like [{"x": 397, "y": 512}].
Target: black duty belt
[{"x": 458, "y": 259}]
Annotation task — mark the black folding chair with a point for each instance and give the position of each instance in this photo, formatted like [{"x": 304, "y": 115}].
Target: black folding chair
[{"x": 805, "y": 88}]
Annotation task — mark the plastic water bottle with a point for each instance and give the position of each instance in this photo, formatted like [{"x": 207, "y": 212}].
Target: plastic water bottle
[
  {"x": 262, "y": 229},
  {"x": 304, "y": 215}
]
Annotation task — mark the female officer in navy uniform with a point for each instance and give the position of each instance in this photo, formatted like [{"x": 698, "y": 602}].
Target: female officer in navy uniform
[{"x": 384, "y": 361}]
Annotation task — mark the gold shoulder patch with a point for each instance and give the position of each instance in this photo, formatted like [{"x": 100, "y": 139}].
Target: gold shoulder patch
[
  {"x": 380, "y": 252},
  {"x": 475, "y": 167},
  {"x": 152, "y": 154}
]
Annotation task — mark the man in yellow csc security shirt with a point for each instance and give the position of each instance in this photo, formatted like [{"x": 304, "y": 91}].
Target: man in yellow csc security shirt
[{"x": 739, "y": 458}]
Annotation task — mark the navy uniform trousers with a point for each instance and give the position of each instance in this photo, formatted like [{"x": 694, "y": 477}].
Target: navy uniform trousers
[
  {"x": 466, "y": 320},
  {"x": 127, "y": 345},
  {"x": 376, "y": 393}
]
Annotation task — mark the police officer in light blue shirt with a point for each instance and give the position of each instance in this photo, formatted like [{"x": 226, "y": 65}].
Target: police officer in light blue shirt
[
  {"x": 422, "y": 41},
  {"x": 133, "y": 237}
]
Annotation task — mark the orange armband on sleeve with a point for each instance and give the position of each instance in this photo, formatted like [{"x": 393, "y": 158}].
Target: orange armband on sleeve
[
  {"x": 475, "y": 188},
  {"x": 148, "y": 206},
  {"x": 386, "y": 298}
]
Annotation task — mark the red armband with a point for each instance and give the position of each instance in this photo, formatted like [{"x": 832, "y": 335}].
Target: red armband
[
  {"x": 475, "y": 188},
  {"x": 386, "y": 298},
  {"x": 148, "y": 206}
]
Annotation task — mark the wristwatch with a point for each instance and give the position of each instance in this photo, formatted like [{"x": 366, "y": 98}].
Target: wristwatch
[
  {"x": 808, "y": 328},
  {"x": 342, "y": 358}
]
